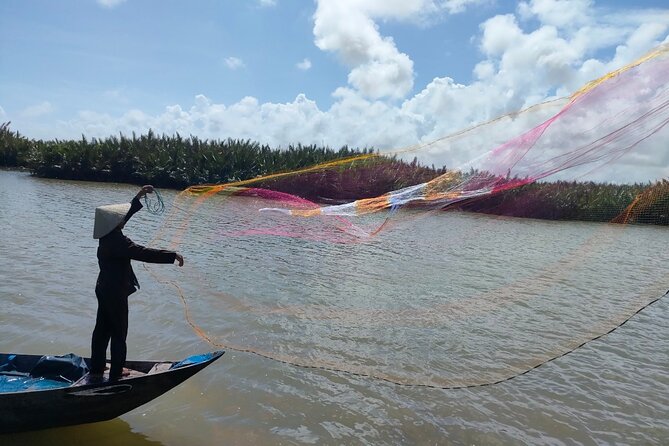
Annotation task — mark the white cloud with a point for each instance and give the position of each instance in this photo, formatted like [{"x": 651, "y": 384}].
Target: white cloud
[
  {"x": 522, "y": 62},
  {"x": 234, "y": 63},
  {"x": 267, "y": 3},
  {"x": 557, "y": 53},
  {"x": 638, "y": 42},
  {"x": 378, "y": 68},
  {"x": 37, "y": 110},
  {"x": 2, "y": 113},
  {"x": 560, "y": 13},
  {"x": 110, "y": 3},
  {"x": 500, "y": 33},
  {"x": 459, "y": 6},
  {"x": 304, "y": 65}
]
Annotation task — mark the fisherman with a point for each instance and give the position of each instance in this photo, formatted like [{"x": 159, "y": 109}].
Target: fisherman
[{"x": 117, "y": 281}]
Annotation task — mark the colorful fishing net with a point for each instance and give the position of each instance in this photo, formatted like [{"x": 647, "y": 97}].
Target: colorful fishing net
[{"x": 353, "y": 266}]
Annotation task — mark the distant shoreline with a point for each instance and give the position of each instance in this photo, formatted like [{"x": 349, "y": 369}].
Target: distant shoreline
[{"x": 176, "y": 162}]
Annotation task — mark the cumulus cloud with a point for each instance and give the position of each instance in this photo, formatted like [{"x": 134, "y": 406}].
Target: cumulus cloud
[
  {"x": 560, "y": 52},
  {"x": 234, "y": 63},
  {"x": 546, "y": 49},
  {"x": 378, "y": 68},
  {"x": 278, "y": 124},
  {"x": 559, "y": 13},
  {"x": 110, "y": 3},
  {"x": 304, "y": 65},
  {"x": 348, "y": 28}
]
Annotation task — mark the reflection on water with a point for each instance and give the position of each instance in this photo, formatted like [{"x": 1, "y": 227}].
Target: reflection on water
[
  {"x": 109, "y": 433},
  {"x": 446, "y": 298}
]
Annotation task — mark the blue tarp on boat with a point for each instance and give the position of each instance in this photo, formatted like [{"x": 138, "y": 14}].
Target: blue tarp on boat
[
  {"x": 17, "y": 383},
  {"x": 49, "y": 372},
  {"x": 195, "y": 359}
]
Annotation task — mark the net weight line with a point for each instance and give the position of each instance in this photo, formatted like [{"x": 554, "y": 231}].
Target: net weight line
[{"x": 201, "y": 334}]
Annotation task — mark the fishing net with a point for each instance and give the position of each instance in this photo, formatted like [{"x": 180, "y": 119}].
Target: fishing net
[{"x": 379, "y": 266}]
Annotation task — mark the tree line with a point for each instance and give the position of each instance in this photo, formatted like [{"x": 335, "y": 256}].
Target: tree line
[{"x": 177, "y": 162}]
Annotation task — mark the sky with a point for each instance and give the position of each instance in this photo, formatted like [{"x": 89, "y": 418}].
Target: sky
[{"x": 365, "y": 73}]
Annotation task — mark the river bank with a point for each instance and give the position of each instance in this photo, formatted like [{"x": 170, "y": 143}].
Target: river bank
[{"x": 344, "y": 175}]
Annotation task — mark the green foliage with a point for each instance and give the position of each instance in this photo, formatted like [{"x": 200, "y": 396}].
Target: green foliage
[
  {"x": 164, "y": 161},
  {"x": 178, "y": 162},
  {"x": 14, "y": 148},
  {"x": 585, "y": 201}
]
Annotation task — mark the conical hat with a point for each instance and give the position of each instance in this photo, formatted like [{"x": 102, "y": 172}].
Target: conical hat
[{"x": 108, "y": 217}]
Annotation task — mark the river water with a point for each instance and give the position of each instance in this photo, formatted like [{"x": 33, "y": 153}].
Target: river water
[{"x": 334, "y": 342}]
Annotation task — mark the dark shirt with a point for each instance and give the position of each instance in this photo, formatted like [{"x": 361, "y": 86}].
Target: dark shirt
[{"x": 114, "y": 254}]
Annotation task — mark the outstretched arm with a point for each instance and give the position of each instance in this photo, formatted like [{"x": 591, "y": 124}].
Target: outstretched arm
[
  {"x": 138, "y": 252},
  {"x": 141, "y": 253}
]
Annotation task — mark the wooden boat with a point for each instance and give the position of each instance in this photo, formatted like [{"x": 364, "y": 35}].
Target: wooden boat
[{"x": 39, "y": 399}]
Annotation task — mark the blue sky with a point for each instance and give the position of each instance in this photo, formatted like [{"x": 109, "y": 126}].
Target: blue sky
[{"x": 381, "y": 73}]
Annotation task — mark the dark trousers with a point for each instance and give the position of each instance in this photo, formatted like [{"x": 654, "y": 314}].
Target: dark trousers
[{"x": 111, "y": 324}]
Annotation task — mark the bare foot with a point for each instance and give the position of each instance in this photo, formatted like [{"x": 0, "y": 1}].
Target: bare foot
[{"x": 124, "y": 372}]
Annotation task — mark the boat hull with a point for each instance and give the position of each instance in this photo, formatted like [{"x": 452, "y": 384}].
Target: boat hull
[{"x": 91, "y": 400}]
